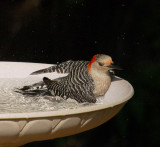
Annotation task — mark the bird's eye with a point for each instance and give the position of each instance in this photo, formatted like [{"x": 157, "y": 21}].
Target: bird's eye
[{"x": 100, "y": 64}]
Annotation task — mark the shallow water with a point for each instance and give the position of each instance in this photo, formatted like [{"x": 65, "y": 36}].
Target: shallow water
[{"x": 13, "y": 102}]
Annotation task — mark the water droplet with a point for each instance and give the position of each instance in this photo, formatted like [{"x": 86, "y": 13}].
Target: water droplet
[{"x": 95, "y": 42}]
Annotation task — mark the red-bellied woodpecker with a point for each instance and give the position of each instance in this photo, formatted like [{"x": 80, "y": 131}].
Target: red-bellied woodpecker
[{"x": 85, "y": 80}]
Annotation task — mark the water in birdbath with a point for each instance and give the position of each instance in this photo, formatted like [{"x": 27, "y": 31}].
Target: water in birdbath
[{"x": 13, "y": 102}]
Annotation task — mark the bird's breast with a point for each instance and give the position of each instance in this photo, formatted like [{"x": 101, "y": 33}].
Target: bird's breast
[{"x": 101, "y": 84}]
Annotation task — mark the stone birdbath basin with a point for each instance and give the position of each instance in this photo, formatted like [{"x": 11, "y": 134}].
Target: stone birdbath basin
[{"x": 21, "y": 127}]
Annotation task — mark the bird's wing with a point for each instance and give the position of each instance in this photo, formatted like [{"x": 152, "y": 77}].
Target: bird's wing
[
  {"x": 63, "y": 67},
  {"x": 79, "y": 96}
]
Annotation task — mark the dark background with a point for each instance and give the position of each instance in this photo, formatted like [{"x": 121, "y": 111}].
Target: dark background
[{"x": 50, "y": 31}]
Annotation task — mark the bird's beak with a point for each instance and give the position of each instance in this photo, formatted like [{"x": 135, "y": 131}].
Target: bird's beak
[
  {"x": 114, "y": 67},
  {"x": 110, "y": 64}
]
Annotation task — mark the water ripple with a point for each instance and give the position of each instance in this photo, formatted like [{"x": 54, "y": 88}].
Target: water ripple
[{"x": 11, "y": 101}]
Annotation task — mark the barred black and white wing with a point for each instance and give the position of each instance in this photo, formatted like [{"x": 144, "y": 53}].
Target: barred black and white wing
[
  {"x": 63, "y": 67},
  {"x": 77, "y": 85},
  {"x": 58, "y": 87}
]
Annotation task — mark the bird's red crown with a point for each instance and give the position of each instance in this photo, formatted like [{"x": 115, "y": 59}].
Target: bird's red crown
[{"x": 93, "y": 60}]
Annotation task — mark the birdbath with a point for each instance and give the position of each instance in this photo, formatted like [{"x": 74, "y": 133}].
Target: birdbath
[{"x": 22, "y": 126}]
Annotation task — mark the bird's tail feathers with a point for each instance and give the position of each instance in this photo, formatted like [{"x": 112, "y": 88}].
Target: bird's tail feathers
[{"x": 36, "y": 89}]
